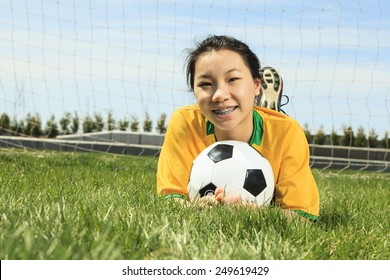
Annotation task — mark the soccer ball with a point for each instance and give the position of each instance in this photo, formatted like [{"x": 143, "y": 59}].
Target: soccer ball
[{"x": 235, "y": 166}]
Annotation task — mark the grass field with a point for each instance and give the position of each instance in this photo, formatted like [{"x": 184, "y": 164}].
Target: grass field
[{"x": 56, "y": 205}]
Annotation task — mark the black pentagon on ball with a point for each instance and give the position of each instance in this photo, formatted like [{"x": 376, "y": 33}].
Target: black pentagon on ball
[
  {"x": 207, "y": 190},
  {"x": 254, "y": 181},
  {"x": 221, "y": 152}
]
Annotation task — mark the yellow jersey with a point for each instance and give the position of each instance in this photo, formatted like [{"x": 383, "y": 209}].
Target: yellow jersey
[{"x": 277, "y": 137}]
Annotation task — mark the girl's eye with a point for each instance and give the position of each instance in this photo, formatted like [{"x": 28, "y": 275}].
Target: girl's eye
[
  {"x": 233, "y": 79},
  {"x": 204, "y": 84}
]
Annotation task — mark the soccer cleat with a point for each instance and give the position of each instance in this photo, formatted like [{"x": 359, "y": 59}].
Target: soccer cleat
[{"x": 271, "y": 89}]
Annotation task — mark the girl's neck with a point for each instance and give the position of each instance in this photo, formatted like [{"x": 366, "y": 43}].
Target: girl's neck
[{"x": 243, "y": 136}]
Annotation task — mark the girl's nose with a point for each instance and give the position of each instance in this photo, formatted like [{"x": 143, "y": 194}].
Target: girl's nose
[{"x": 220, "y": 95}]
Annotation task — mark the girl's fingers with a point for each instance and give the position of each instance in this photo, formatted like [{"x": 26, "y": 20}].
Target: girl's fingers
[
  {"x": 232, "y": 199},
  {"x": 219, "y": 193}
]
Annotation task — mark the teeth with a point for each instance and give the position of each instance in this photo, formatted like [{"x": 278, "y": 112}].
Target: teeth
[{"x": 225, "y": 111}]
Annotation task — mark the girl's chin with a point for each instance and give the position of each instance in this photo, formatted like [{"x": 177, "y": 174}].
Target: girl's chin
[{"x": 224, "y": 125}]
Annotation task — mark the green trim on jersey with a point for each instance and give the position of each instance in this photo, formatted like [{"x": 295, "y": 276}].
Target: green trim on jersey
[
  {"x": 209, "y": 128},
  {"x": 257, "y": 134},
  {"x": 306, "y": 215}
]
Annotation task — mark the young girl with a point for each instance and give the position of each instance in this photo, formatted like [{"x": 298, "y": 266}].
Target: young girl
[{"x": 224, "y": 75}]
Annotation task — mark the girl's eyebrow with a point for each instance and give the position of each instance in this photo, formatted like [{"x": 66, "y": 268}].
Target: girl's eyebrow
[
  {"x": 203, "y": 76},
  {"x": 232, "y": 70},
  {"x": 206, "y": 75}
]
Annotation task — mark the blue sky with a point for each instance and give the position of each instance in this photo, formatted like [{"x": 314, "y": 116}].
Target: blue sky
[{"x": 128, "y": 56}]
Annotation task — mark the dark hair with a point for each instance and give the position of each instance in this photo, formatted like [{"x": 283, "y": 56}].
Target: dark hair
[{"x": 216, "y": 43}]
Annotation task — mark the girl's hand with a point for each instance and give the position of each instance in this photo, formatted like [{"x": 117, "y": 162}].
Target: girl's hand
[
  {"x": 221, "y": 198},
  {"x": 232, "y": 199},
  {"x": 214, "y": 200}
]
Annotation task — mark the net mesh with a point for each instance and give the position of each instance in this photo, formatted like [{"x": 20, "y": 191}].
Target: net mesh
[{"x": 118, "y": 65}]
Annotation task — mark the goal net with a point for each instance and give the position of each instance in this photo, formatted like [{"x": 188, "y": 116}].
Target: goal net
[{"x": 118, "y": 65}]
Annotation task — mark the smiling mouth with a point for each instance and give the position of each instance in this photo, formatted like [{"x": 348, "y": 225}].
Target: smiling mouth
[{"x": 226, "y": 111}]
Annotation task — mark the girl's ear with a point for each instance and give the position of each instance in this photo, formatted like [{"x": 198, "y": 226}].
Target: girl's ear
[{"x": 257, "y": 86}]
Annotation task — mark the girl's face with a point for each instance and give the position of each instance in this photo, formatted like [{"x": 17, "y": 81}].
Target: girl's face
[{"x": 225, "y": 90}]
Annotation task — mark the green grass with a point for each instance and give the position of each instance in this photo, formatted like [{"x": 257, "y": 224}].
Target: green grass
[{"x": 56, "y": 205}]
